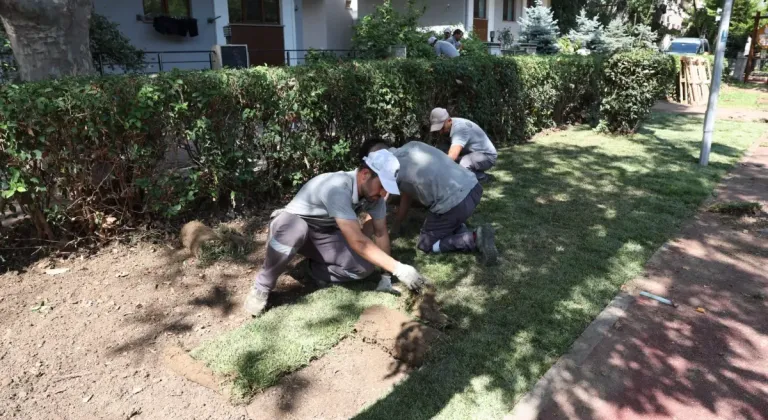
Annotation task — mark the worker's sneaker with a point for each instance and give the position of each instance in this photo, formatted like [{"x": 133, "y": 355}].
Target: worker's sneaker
[
  {"x": 486, "y": 243},
  {"x": 484, "y": 178},
  {"x": 256, "y": 302}
]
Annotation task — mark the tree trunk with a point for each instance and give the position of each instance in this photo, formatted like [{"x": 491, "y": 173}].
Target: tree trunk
[{"x": 49, "y": 38}]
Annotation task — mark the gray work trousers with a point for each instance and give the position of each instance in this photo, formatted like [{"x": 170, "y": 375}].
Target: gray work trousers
[
  {"x": 478, "y": 163},
  {"x": 449, "y": 229},
  {"x": 331, "y": 259}
]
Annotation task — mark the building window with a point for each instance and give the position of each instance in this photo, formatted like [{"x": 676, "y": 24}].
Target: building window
[
  {"x": 167, "y": 8},
  {"x": 254, "y": 11},
  {"x": 480, "y": 11},
  {"x": 509, "y": 11}
]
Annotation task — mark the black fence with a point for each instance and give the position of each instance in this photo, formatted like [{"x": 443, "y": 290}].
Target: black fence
[
  {"x": 160, "y": 61},
  {"x": 296, "y": 57}
]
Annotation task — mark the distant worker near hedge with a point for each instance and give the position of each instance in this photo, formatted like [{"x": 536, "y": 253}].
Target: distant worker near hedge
[
  {"x": 470, "y": 146},
  {"x": 443, "y": 48},
  {"x": 446, "y": 34},
  {"x": 321, "y": 223},
  {"x": 455, "y": 39}
]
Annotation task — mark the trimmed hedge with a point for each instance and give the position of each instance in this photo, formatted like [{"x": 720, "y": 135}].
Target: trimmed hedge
[
  {"x": 91, "y": 155},
  {"x": 634, "y": 81}
]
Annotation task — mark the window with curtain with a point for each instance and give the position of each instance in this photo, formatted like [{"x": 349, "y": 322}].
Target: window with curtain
[
  {"x": 167, "y": 8},
  {"x": 509, "y": 11},
  {"x": 480, "y": 9},
  {"x": 254, "y": 11}
]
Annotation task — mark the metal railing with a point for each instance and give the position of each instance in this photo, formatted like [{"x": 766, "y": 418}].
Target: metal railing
[
  {"x": 160, "y": 61},
  {"x": 296, "y": 57}
]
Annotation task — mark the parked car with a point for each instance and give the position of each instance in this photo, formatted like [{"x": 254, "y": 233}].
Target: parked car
[{"x": 689, "y": 46}]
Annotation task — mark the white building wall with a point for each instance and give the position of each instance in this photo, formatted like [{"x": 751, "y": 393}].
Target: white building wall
[
  {"x": 340, "y": 21},
  {"x": 315, "y": 25},
  {"x": 144, "y": 36},
  {"x": 438, "y": 13}
]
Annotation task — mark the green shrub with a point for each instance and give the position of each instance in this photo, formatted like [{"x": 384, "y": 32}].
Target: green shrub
[
  {"x": 386, "y": 27},
  {"x": 633, "y": 82},
  {"x": 91, "y": 155}
]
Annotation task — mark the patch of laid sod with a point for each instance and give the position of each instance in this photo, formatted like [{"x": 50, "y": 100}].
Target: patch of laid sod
[
  {"x": 577, "y": 214},
  {"x": 288, "y": 337},
  {"x": 743, "y": 97},
  {"x": 736, "y": 208}
]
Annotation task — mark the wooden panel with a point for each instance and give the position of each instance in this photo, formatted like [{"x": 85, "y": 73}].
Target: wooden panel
[
  {"x": 480, "y": 28},
  {"x": 265, "y": 43}
]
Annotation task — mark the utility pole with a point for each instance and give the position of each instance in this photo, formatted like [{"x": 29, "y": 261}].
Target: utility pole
[{"x": 714, "y": 91}]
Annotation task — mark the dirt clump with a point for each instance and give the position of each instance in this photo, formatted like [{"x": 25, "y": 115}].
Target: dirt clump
[
  {"x": 194, "y": 234},
  {"x": 181, "y": 363},
  {"x": 400, "y": 336},
  {"x": 426, "y": 307}
]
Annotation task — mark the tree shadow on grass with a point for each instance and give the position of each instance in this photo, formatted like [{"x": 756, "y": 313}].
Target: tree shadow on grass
[{"x": 574, "y": 222}]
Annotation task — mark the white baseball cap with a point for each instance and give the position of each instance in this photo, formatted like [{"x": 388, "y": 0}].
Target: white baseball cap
[
  {"x": 447, "y": 31},
  {"x": 386, "y": 166},
  {"x": 437, "y": 119},
  {"x": 431, "y": 40}
]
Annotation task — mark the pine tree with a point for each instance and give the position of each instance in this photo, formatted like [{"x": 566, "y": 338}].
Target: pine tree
[
  {"x": 588, "y": 35},
  {"x": 539, "y": 27},
  {"x": 644, "y": 37},
  {"x": 616, "y": 36}
]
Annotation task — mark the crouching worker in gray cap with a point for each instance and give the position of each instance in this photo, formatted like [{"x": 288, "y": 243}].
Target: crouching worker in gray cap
[
  {"x": 470, "y": 146},
  {"x": 450, "y": 192},
  {"x": 321, "y": 223}
]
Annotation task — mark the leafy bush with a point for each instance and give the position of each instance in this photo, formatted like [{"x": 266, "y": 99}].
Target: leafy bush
[
  {"x": 89, "y": 156},
  {"x": 386, "y": 27},
  {"x": 472, "y": 46},
  {"x": 633, "y": 82},
  {"x": 8, "y": 70},
  {"x": 111, "y": 48}
]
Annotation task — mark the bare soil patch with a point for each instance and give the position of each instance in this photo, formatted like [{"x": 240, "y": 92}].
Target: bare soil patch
[{"x": 336, "y": 386}]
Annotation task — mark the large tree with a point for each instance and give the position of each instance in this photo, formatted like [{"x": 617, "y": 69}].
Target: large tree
[{"x": 49, "y": 38}]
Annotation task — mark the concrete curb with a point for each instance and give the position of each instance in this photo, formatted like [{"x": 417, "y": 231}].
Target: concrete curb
[{"x": 559, "y": 375}]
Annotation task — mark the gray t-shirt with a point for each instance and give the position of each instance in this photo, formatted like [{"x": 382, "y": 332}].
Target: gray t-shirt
[
  {"x": 471, "y": 137},
  {"x": 431, "y": 177},
  {"x": 446, "y": 49},
  {"x": 333, "y": 196},
  {"x": 456, "y": 44}
]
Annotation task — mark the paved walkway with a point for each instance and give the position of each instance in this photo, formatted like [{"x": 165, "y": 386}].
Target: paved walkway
[{"x": 705, "y": 359}]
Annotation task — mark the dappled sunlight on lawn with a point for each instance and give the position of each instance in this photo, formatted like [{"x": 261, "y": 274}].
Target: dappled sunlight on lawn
[{"x": 577, "y": 214}]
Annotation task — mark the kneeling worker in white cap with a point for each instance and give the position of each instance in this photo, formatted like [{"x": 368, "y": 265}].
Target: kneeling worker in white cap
[
  {"x": 443, "y": 48},
  {"x": 470, "y": 146},
  {"x": 321, "y": 223}
]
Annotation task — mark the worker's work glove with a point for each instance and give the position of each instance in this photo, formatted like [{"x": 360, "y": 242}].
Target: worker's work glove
[
  {"x": 385, "y": 285},
  {"x": 409, "y": 276}
]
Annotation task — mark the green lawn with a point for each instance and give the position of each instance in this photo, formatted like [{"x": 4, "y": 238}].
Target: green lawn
[
  {"x": 744, "y": 96},
  {"x": 577, "y": 215}
]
